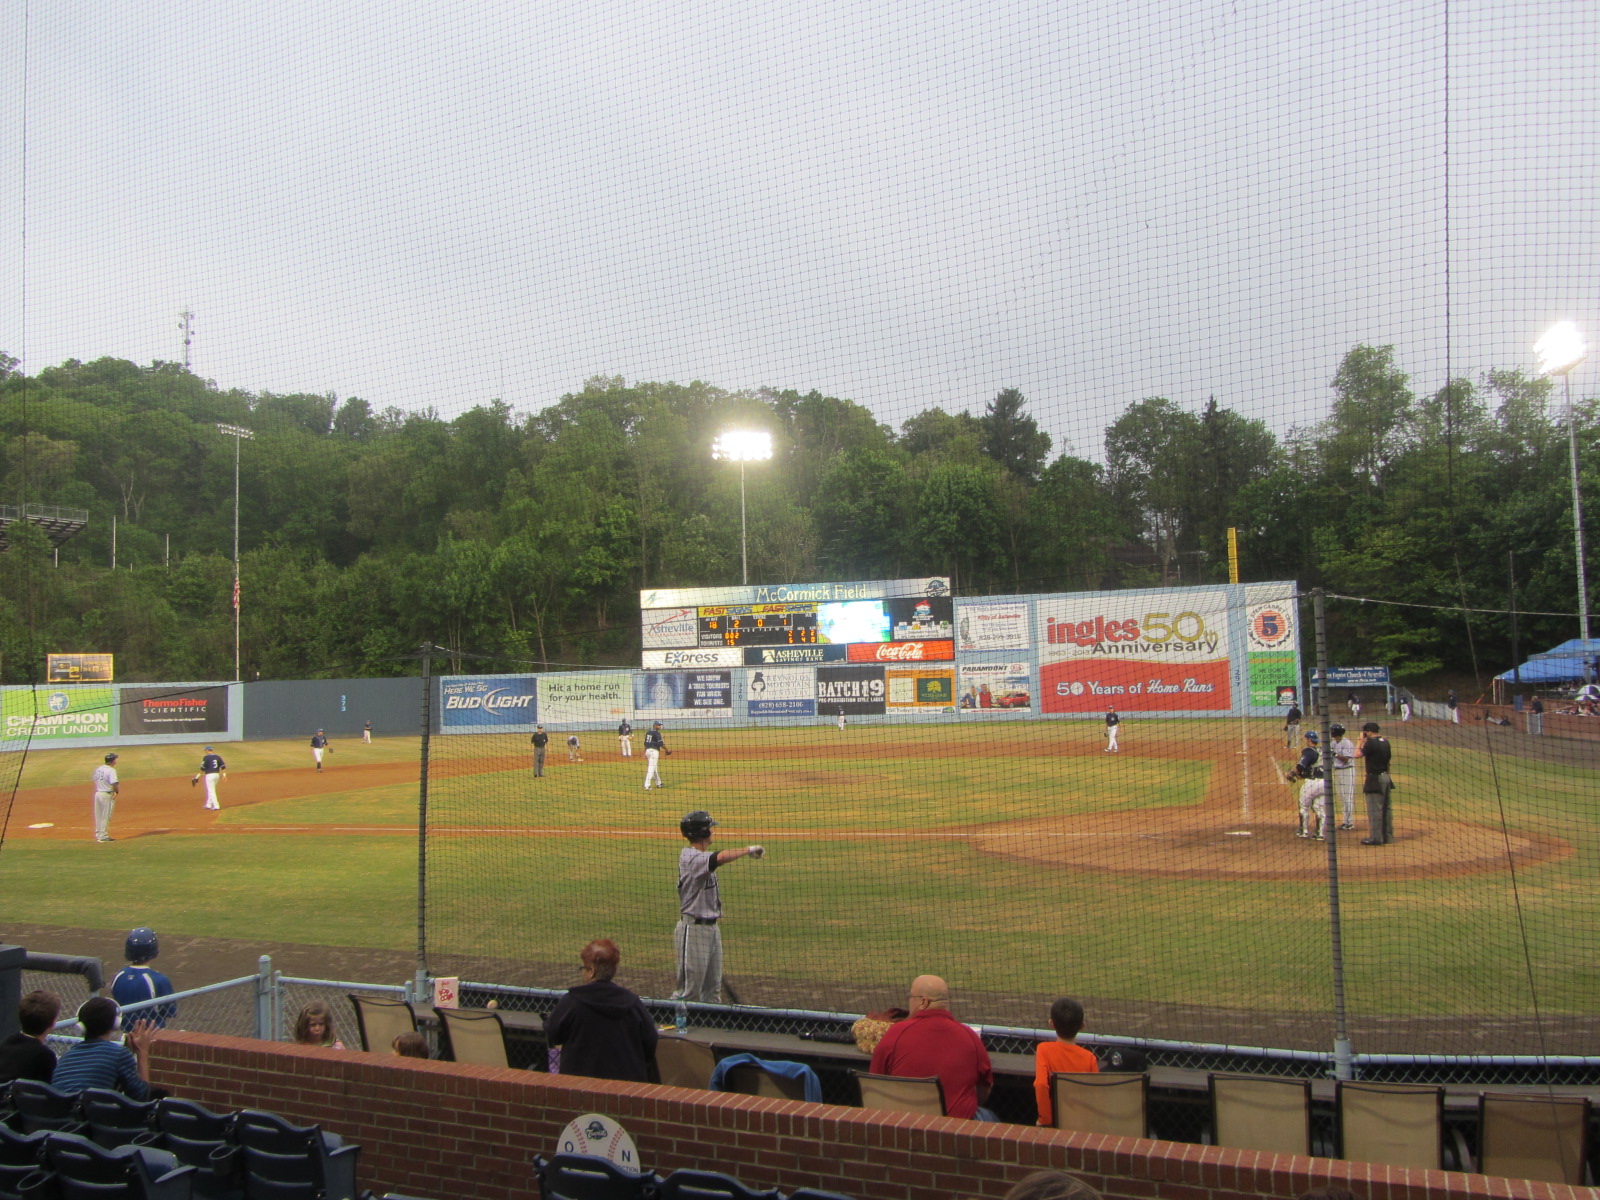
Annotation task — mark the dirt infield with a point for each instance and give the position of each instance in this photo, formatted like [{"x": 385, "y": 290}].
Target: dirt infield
[{"x": 1239, "y": 830}]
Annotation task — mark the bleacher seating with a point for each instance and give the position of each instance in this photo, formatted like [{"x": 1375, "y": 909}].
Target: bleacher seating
[
  {"x": 19, "y": 1157},
  {"x": 281, "y": 1161},
  {"x": 112, "y": 1119},
  {"x": 710, "y": 1185},
  {"x": 40, "y": 1107},
  {"x": 587, "y": 1177},
  {"x": 202, "y": 1139}
]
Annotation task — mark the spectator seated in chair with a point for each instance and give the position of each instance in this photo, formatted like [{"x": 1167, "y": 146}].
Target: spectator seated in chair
[
  {"x": 314, "y": 1027},
  {"x": 1063, "y": 1054},
  {"x": 409, "y": 1045},
  {"x": 603, "y": 1029},
  {"x": 24, "y": 1055},
  {"x": 101, "y": 1061},
  {"x": 932, "y": 1042}
]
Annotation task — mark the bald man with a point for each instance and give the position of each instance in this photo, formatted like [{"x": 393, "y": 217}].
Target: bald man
[{"x": 932, "y": 1042}]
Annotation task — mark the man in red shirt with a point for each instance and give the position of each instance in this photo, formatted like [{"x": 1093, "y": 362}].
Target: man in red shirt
[{"x": 932, "y": 1042}]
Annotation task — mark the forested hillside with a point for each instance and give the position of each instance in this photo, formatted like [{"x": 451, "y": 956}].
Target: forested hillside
[{"x": 526, "y": 537}]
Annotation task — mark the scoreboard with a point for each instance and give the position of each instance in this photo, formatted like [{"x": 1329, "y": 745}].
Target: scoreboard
[{"x": 758, "y": 625}]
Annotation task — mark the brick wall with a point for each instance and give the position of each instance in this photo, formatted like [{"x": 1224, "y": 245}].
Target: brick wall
[{"x": 446, "y": 1130}]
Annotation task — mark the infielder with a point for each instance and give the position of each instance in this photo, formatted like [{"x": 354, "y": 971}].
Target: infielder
[
  {"x": 841, "y": 718},
  {"x": 1344, "y": 774},
  {"x": 366, "y": 733},
  {"x": 1314, "y": 798},
  {"x": 654, "y": 748},
  {"x": 698, "y": 939},
  {"x": 319, "y": 744},
  {"x": 211, "y": 769},
  {"x": 574, "y": 754},
  {"x": 625, "y": 738},
  {"x": 106, "y": 789},
  {"x": 1112, "y": 721}
]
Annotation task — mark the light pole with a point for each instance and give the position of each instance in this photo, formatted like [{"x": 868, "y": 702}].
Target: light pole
[
  {"x": 743, "y": 446},
  {"x": 1560, "y": 350},
  {"x": 238, "y": 434}
]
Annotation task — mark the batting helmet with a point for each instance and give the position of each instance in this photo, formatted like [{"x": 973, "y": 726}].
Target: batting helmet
[
  {"x": 696, "y": 825},
  {"x": 1313, "y": 738},
  {"x": 1336, "y": 730},
  {"x": 111, "y": 758},
  {"x": 142, "y": 945}
]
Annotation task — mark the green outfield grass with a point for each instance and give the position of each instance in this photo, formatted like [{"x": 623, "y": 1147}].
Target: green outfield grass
[{"x": 872, "y": 875}]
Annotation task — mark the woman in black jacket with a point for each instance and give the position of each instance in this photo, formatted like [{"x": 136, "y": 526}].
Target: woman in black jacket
[{"x": 603, "y": 1029}]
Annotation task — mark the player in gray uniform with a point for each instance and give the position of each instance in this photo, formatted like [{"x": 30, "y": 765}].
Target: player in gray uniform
[
  {"x": 698, "y": 938},
  {"x": 1344, "y": 774},
  {"x": 106, "y": 787}
]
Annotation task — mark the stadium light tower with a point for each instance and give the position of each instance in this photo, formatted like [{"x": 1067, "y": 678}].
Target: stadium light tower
[
  {"x": 238, "y": 434},
  {"x": 1560, "y": 350},
  {"x": 743, "y": 446}
]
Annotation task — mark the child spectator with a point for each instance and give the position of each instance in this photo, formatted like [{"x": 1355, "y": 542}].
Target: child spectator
[
  {"x": 24, "y": 1055},
  {"x": 1063, "y": 1054},
  {"x": 1052, "y": 1185},
  {"x": 409, "y": 1045},
  {"x": 314, "y": 1027}
]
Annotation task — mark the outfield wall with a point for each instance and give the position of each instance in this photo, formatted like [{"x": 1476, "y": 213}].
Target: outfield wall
[
  {"x": 120, "y": 714},
  {"x": 299, "y": 707}
]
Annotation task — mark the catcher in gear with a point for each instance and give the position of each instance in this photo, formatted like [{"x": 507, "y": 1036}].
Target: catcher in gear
[{"x": 697, "y": 940}]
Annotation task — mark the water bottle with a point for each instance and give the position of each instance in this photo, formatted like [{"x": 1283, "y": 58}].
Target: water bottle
[{"x": 680, "y": 1016}]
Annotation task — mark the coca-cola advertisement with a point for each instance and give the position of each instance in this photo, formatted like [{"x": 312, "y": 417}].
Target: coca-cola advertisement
[
  {"x": 904, "y": 652},
  {"x": 859, "y": 691}
]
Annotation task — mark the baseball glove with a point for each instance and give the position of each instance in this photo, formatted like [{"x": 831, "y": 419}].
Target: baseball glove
[
  {"x": 194, "y": 781},
  {"x": 668, "y": 753}
]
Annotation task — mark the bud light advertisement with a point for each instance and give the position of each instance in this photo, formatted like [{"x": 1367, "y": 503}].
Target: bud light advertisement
[{"x": 503, "y": 703}]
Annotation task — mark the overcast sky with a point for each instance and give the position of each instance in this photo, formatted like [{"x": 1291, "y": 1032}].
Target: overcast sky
[{"x": 905, "y": 204}]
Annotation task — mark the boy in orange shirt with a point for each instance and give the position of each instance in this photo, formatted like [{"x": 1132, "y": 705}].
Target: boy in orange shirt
[{"x": 1064, "y": 1054}]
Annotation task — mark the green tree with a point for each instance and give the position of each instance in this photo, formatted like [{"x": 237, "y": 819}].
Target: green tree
[{"x": 1012, "y": 438}]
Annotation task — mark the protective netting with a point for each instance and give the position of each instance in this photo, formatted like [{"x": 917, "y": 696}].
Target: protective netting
[{"x": 443, "y": 316}]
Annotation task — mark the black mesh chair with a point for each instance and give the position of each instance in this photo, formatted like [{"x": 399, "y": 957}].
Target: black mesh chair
[
  {"x": 40, "y": 1106},
  {"x": 685, "y": 1184},
  {"x": 381, "y": 1020},
  {"x": 112, "y": 1119},
  {"x": 806, "y": 1193},
  {"x": 586, "y": 1177},
  {"x": 85, "y": 1171},
  {"x": 281, "y": 1161}
]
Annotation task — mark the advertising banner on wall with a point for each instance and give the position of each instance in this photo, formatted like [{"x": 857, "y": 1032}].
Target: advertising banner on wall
[
  {"x": 981, "y": 628},
  {"x": 64, "y": 712},
  {"x": 779, "y": 656},
  {"x": 1271, "y": 633},
  {"x": 793, "y": 593},
  {"x": 1161, "y": 651},
  {"x": 921, "y": 617},
  {"x": 857, "y": 690},
  {"x": 931, "y": 650},
  {"x": 784, "y": 692},
  {"x": 582, "y": 698},
  {"x": 994, "y": 685},
  {"x": 155, "y": 710},
  {"x": 674, "y": 695},
  {"x": 678, "y": 660},
  {"x": 488, "y": 701},
  {"x": 927, "y": 690},
  {"x": 668, "y": 628}
]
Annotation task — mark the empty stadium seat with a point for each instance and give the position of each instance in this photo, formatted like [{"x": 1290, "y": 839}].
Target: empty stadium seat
[
  {"x": 85, "y": 1171},
  {"x": 1534, "y": 1137},
  {"x": 112, "y": 1119},
  {"x": 281, "y": 1161},
  {"x": 1092, "y": 1102},
  {"x": 683, "y": 1062},
  {"x": 40, "y": 1106},
  {"x": 685, "y": 1184},
  {"x": 586, "y": 1177},
  {"x": 895, "y": 1093},
  {"x": 473, "y": 1035},
  {"x": 748, "y": 1079},
  {"x": 201, "y": 1139},
  {"x": 1252, "y": 1112},
  {"x": 20, "y": 1155},
  {"x": 1397, "y": 1124}
]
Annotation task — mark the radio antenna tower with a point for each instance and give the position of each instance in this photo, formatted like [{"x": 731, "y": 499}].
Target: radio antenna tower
[{"x": 187, "y": 325}]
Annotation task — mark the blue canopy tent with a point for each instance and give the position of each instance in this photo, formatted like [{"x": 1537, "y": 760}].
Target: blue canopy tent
[{"x": 1566, "y": 663}]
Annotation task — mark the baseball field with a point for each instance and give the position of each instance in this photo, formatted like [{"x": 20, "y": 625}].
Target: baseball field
[{"x": 1163, "y": 884}]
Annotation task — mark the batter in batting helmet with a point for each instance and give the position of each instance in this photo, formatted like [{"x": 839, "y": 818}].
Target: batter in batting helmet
[
  {"x": 696, "y": 825},
  {"x": 142, "y": 945},
  {"x": 1336, "y": 730}
]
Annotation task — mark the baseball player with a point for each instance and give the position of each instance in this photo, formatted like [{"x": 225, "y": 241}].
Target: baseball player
[
  {"x": 540, "y": 740},
  {"x": 625, "y": 738},
  {"x": 212, "y": 768},
  {"x": 319, "y": 746},
  {"x": 1112, "y": 721},
  {"x": 137, "y": 982},
  {"x": 1308, "y": 756},
  {"x": 1314, "y": 798},
  {"x": 1344, "y": 774},
  {"x": 698, "y": 938},
  {"x": 654, "y": 748},
  {"x": 106, "y": 789},
  {"x": 366, "y": 733},
  {"x": 573, "y": 752},
  {"x": 1291, "y": 726},
  {"x": 841, "y": 718}
]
